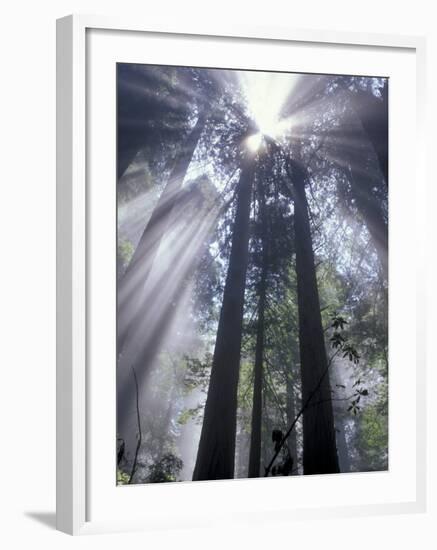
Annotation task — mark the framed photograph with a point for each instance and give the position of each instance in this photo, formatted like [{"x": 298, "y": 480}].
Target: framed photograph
[{"x": 239, "y": 326}]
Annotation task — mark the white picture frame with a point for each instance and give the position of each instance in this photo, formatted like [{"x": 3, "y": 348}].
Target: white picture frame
[{"x": 73, "y": 377}]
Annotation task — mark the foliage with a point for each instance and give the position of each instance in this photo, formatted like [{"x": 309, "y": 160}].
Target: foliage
[
  {"x": 166, "y": 469},
  {"x": 125, "y": 251},
  {"x": 122, "y": 477},
  {"x": 285, "y": 466}
]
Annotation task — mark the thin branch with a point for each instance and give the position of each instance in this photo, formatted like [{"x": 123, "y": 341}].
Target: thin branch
[
  {"x": 134, "y": 465},
  {"x": 299, "y": 414}
]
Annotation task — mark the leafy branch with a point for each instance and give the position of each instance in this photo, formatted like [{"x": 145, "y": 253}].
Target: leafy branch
[{"x": 338, "y": 342}]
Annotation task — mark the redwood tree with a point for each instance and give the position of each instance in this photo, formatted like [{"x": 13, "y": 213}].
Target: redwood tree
[
  {"x": 131, "y": 289},
  {"x": 319, "y": 444},
  {"x": 216, "y": 453},
  {"x": 256, "y": 424}
]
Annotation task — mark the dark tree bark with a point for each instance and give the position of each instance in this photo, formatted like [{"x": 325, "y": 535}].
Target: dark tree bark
[
  {"x": 319, "y": 445},
  {"x": 255, "y": 436},
  {"x": 131, "y": 289},
  {"x": 291, "y": 415},
  {"x": 216, "y": 454}
]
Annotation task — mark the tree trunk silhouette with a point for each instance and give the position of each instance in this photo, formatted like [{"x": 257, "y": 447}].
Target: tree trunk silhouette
[
  {"x": 373, "y": 114},
  {"x": 370, "y": 209},
  {"x": 291, "y": 415},
  {"x": 216, "y": 453},
  {"x": 161, "y": 302},
  {"x": 255, "y": 436},
  {"x": 319, "y": 445},
  {"x": 131, "y": 289}
]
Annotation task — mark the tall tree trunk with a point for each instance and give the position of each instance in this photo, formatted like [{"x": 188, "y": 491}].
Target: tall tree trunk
[
  {"x": 216, "y": 454},
  {"x": 266, "y": 429},
  {"x": 373, "y": 114},
  {"x": 319, "y": 452},
  {"x": 131, "y": 289},
  {"x": 370, "y": 209},
  {"x": 161, "y": 303},
  {"x": 255, "y": 435},
  {"x": 127, "y": 154},
  {"x": 291, "y": 415}
]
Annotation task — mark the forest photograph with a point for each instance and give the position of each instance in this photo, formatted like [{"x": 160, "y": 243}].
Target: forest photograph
[{"x": 252, "y": 274}]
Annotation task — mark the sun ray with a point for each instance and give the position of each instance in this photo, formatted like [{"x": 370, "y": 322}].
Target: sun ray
[{"x": 265, "y": 94}]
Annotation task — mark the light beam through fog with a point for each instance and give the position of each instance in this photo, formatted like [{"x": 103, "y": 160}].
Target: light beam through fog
[{"x": 184, "y": 135}]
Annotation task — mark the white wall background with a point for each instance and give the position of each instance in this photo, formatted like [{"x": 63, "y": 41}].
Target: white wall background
[{"x": 27, "y": 252}]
